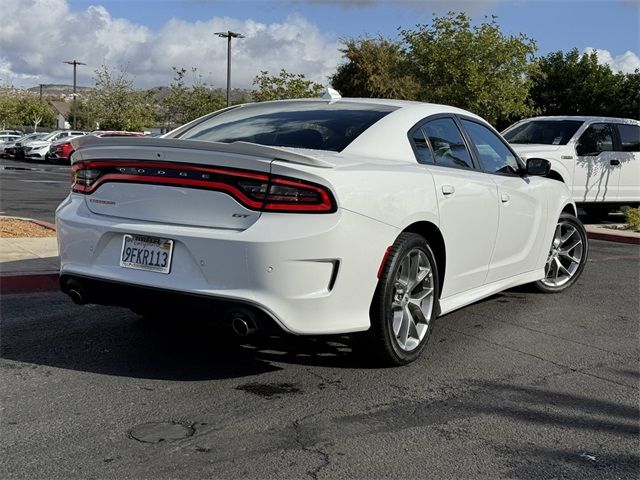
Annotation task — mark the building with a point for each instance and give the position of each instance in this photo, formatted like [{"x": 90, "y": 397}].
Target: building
[{"x": 61, "y": 110}]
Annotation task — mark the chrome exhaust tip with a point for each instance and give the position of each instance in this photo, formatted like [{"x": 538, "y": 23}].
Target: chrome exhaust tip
[
  {"x": 243, "y": 323},
  {"x": 76, "y": 297}
]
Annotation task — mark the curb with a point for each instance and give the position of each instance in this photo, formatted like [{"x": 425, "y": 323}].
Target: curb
[
  {"x": 612, "y": 237},
  {"x": 29, "y": 282},
  {"x": 48, "y": 225}
]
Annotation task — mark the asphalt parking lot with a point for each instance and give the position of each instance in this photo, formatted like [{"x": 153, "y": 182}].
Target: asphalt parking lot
[{"x": 521, "y": 385}]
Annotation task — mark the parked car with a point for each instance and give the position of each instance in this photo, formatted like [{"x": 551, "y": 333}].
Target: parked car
[
  {"x": 7, "y": 138},
  {"x": 320, "y": 216},
  {"x": 9, "y": 149},
  {"x": 597, "y": 157},
  {"x": 19, "y": 133},
  {"x": 39, "y": 149},
  {"x": 116, "y": 133},
  {"x": 60, "y": 151}
]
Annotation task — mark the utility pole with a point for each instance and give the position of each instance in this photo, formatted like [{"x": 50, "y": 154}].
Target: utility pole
[
  {"x": 75, "y": 63},
  {"x": 40, "y": 93},
  {"x": 229, "y": 35}
]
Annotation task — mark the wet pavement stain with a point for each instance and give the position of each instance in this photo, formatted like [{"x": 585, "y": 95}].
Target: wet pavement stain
[
  {"x": 268, "y": 390},
  {"x": 157, "y": 432}
]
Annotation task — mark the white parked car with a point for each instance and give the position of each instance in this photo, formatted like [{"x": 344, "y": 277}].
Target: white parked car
[
  {"x": 321, "y": 216},
  {"x": 597, "y": 157},
  {"x": 39, "y": 149}
]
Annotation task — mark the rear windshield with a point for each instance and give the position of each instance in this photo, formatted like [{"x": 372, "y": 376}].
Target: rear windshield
[
  {"x": 315, "y": 125},
  {"x": 543, "y": 132}
]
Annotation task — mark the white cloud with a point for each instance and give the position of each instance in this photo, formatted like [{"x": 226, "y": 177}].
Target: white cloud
[
  {"x": 627, "y": 62},
  {"x": 47, "y": 32},
  {"x": 421, "y": 5}
]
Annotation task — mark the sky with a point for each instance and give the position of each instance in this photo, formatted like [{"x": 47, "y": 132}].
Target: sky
[{"x": 146, "y": 38}]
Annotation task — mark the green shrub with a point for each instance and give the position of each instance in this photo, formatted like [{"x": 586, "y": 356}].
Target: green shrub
[{"x": 633, "y": 218}]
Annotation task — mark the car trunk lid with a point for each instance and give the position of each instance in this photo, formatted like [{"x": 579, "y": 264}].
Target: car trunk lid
[{"x": 178, "y": 181}]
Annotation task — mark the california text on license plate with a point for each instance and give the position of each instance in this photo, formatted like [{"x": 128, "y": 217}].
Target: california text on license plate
[{"x": 146, "y": 253}]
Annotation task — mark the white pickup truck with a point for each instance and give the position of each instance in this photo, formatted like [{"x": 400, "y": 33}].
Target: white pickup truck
[{"x": 597, "y": 157}]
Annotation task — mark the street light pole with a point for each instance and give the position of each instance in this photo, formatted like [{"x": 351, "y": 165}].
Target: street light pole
[
  {"x": 229, "y": 35},
  {"x": 75, "y": 64}
]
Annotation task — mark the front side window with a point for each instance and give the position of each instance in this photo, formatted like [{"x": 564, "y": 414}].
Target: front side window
[
  {"x": 449, "y": 149},
  {"x": 629, "y": 137},
  {"x": 494, "y": 154},
  {"x": 595, "y": 139},
  {"x": 305, "y": 124},
  {"x": 543, "y": 132}
]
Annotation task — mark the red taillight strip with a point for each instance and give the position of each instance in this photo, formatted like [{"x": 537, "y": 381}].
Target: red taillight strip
[
  {"x": 177, "y": 166},
  {"x": 181, "y": 182},
  {"x": 326, "y": 204}
]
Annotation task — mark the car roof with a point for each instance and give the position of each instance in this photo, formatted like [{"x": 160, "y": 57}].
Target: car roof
[{"x": 584, "y": 118}]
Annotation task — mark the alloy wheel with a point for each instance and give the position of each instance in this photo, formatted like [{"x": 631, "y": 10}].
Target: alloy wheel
[
  {"x": 413, "y": 298},
  {"x": 565, "y": 255}
]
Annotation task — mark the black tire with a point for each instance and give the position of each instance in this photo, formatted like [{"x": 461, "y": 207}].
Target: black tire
[
  {"x": 384, "y": 346},
  {"x": 579, "y": 251}
]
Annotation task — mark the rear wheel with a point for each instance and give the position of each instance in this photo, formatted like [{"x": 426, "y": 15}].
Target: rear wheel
[
  {"x": 567, "y": 255},
  {"x": 404, "y": 305}
]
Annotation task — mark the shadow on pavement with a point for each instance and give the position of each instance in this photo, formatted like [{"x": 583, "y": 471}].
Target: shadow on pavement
[{"x": 115, "y": 341}]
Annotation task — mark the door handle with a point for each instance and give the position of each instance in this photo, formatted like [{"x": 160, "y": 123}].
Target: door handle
[
  {"x": 504, "y": 198},
  {"x": 448, "y": 189},
  {"x": 614, "y": 162}
]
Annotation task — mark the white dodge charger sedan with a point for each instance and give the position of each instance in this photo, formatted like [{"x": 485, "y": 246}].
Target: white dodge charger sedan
[{"x": 320, "y": 216}]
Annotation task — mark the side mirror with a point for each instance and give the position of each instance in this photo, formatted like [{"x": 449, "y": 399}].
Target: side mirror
[
  {"x": 538, "y": 167},
  {"x": 587, "y": 150}
]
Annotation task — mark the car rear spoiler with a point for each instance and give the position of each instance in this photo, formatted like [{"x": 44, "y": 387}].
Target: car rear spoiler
[{"x": 241, "y": 148}]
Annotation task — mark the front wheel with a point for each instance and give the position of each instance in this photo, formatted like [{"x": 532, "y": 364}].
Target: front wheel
[
  {"x": 567, "y": 255},
  {"x": 404, "y": 304}
]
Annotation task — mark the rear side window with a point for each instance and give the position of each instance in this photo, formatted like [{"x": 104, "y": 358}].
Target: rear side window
[
  {"x": 629, "y": 137},
  {"x": 449, "y": 149},
  {"x": 595, "y": 139},
  {"x": 306, "y": 124},
  {"x": 423, "y": 152}
]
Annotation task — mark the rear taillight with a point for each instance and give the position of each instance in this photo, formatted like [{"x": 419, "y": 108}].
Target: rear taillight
[{"x": 254, "y": 190}]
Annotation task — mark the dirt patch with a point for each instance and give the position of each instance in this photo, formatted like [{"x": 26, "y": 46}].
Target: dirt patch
[{"x": 15, "y": 228}]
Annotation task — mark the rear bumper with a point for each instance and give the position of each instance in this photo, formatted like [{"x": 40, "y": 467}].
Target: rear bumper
[
  {"x": 150, "y": 299},
  {"x": 312, "y": 274}
]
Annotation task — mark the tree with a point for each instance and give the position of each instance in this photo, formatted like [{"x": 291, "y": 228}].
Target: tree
[
  {"x": 21, "y": 108},
  {"x": 36, "y": 113},
  {"x": 283, "y": 86},
  {"x": 184, "y": 104},
  {"x": 9, "y": 111},
  {"x": 577, "y": 84},
  {"x": 375, "y": 67},
  {"x": 627, "y": 102},
  {"x": 450, "y": 61},
  {"x": 115, "y": 105},
  {"x": 477, "y": 68}
]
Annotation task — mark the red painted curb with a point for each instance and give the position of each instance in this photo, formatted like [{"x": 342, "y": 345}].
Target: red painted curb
[
  {"x": 612, "y": 237},
  {"x": 29, "y": 282},
  {"x": 48, "y": 225}
]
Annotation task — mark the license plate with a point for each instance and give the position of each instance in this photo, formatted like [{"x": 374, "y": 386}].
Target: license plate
[{"x": 146, "y": 253}]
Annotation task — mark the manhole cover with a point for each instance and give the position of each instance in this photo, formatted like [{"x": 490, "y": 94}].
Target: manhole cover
[
  {"x": 269, "y": 389},
  {"x": 157, "y": 432}
]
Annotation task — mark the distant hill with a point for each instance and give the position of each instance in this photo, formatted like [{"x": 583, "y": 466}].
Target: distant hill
[
  {"x": 58, "y": 89},
  {"x": 61, "y": 90}
]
